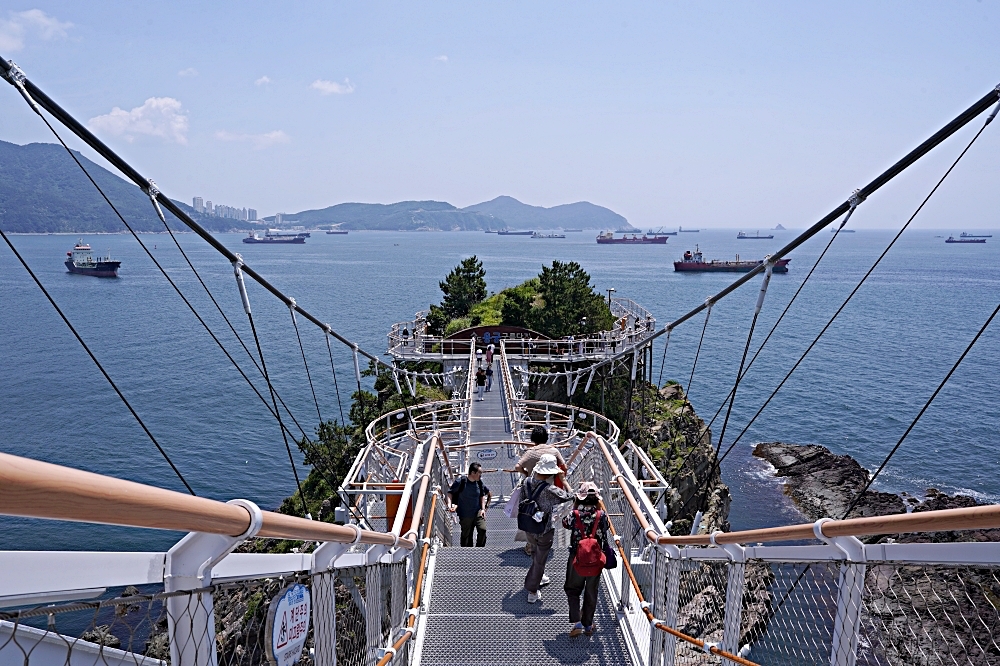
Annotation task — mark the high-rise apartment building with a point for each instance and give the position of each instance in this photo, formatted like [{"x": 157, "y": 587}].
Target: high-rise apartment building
[
  {"x": 251, "y": 215},
  {"x": 199, "y": 205}
]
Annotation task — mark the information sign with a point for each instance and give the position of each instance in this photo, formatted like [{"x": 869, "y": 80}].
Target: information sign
[
  {"x": 487, "y": 454},
  {"x": 288, "y": 625}
]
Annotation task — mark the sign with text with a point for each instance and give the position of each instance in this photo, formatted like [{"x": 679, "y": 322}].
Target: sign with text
[
  {"x": 288, "y": 625},
  {"x": 487, "y": 454}
]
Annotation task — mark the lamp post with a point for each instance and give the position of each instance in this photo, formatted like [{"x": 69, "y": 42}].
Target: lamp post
[{"x": 610, "y": 290}]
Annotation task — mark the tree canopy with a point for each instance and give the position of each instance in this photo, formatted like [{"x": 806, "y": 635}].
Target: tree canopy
[
  {"x": 463, "y": 288},
  {"x": 569, "y": 305}
]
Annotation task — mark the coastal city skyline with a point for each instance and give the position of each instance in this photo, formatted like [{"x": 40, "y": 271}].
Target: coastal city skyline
[{"x": 726, "y": 116}]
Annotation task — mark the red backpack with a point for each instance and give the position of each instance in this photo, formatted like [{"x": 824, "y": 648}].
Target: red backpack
[{"x": 589, "y": 559}]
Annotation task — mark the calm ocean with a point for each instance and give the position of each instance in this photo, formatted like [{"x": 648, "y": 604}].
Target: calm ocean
[{"x": 855, "y": 393}]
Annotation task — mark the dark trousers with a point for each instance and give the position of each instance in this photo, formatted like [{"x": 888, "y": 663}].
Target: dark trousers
[
  {"x": 477, "y": 523},
  {"x": 576, "y": 585},
  {"x": 541, "y": 544}
]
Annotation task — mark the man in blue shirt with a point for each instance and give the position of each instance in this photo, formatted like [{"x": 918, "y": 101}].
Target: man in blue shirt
[{"x": 470, "y": 497}]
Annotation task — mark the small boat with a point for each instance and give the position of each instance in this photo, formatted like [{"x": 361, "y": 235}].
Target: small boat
[
  {"x": 253, "y": 238},
  {"x": 694, "y": 262},
  {"x": 337, "y": 232},
  {"x": 608, "y": 238},
  {"x": 538, "y": 235},
  {"x": 965, "y": 235},
  {"x": 952, "y": 239},
  {"x": 508, "y": 232},
  {"x": 756, "y": 236},
  {"x": 687, "y": 231},
  {"x": 80, "y": 260}
]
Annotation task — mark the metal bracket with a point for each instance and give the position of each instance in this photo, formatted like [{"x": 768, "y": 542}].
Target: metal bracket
[
  {"x": 189, "y": 563},
  {"x": 855, "y": 199},
  {"x": 852, "y": 547},
  {"x": 325, "y": 557},
  {"x": 734, "y": 551},
  {"x": 16, "y": 75}
]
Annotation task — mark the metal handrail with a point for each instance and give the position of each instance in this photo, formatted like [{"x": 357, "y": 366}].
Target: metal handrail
[{"x": 35, "y": 489}]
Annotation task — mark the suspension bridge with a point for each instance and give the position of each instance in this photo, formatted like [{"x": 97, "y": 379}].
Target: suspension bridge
[{"x": 389, "y": 586}]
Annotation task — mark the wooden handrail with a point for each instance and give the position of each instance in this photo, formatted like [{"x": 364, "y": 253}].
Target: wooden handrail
[{"x": 36, "y": 489}]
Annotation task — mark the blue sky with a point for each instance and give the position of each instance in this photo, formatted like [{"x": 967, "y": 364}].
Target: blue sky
[{"x": 698, "y": 114}]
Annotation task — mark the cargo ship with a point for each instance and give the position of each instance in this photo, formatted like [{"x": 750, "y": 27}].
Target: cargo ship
[
  {"x": 682, "y": 230},
  {"x": 967, "y": 239},
  {"x": 337, "y": 232},
  {"x": 965, "y": 235},
  {"x": 274, "y": 240},
  {"x": 538, "y": 235},
  {"x": 507, "y": 232},
  {"x": 608, "y": 238},
  {"x": 80, "y": 260},
  {"x": 694, "y": 262},
  {"x": 756, "y": 236}
]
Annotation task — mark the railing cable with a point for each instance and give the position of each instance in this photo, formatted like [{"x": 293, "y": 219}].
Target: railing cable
[
  {"x": 298, "y": 336},
  {"x": 708, "y": 313},
  {"x": 237, "y": 266},
  {"x": 333, "y": 369},
  {"x": 100, "y": 367}
]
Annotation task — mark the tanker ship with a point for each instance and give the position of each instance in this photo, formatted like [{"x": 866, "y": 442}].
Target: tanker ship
[
  {"x": 608, "y": 238},
  {"x": 81, "y": 261},
  {"x": 694, "y": 262}
]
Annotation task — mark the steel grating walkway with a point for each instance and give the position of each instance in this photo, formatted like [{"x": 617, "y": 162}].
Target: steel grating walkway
[{"x": 478, "y": 612}]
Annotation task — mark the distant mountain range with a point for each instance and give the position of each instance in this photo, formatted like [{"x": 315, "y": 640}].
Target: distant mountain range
[
  {"x": 502, "y": 212},
  {"x": 43, "y": 191}
]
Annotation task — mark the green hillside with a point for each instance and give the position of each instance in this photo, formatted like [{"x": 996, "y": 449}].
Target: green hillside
[{"x": 42, "y": 190}]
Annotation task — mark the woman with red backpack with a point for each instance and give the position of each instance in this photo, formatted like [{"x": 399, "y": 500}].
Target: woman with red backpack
[{"x": 588, "y": 526}]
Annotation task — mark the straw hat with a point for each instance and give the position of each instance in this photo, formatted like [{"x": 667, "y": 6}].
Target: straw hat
[
  {"x": 587, "y": 489},
  {"x": 546, "y": 465}
]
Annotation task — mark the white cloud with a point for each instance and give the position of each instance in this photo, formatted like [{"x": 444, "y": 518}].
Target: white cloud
[
  {"x": 258, "y": 141},
  {"x": 262, "y": 81},
  {"x": 19, "y": 25},
  {"x": 331, "y": 87},
  {"x": 441, "y": 58},
  {"x": 190, "y": 71},
  {"x": 158, "y": 116}
]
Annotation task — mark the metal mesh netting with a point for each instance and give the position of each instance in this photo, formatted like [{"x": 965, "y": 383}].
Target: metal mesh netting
[{"x": 369, "y": 605}]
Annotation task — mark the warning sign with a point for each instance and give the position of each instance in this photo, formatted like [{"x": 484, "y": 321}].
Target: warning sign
[{"x": 288, "y": 625}]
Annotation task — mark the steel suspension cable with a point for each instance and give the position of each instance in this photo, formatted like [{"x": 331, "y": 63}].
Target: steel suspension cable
[
  {"x": 861, "y": 282},
  {"x": 93, "y": 358},
  {"x": 708, "y": 313},
  {"x": 663, "y": 360},
  {"x": 336, "y": 388},
  {"x": 295, "y": 324}
]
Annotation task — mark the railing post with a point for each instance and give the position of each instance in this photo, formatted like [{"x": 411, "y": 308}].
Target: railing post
[
  {"x": 850, "y": 590},
  {"x": 191, "y": 617},
  {"x": 735, "y": 587}
]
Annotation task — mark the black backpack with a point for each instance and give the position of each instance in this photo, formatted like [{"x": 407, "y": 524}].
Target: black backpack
[
  {"x": 462, "y": 482},
  {"x": 527, "y": 509}
]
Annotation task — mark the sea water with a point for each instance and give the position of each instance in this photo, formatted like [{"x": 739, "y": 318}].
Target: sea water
[{"x": 856, "y": 392}]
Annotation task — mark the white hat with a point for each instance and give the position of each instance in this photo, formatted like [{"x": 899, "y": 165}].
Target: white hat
[
  {"x": 546, "y": 465},
  {"x": 587, "y": 488}
]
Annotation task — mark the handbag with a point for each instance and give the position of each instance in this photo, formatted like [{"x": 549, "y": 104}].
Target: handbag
[
  {"x": 610, "y": 560},
  {"x": 515, "y": 499}
]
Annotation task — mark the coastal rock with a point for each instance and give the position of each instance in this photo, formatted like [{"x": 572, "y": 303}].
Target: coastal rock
[
  {"x": 101, "y": 635},
  {"x": 823, "y": 484}
]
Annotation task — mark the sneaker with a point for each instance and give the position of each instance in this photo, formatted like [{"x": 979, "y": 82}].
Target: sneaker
[
  {"x": 589, "y": 631},
  {"x": 534, "y": 596},
  {"x": 545, "y": 581},
  {"x": 576, "y": 630}
]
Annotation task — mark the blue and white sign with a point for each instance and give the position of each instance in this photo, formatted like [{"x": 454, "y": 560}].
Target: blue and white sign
[
  {"x": 487, "y": 454},
  {"x": 288, "y": 625}
]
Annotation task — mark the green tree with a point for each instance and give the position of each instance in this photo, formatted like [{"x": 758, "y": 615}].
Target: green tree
[
  {"x": 464, "y": 287},
  {"x": 518, "y": 303},
  {"x": 570, "y": 305}
]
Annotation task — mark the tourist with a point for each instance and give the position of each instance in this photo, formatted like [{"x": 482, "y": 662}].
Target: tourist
[
  {"x": 481, "y": 382},
  {"x": 585, "y": 521},
  {"x": 406, "y": 336},
  {"x": 526, "y": 465},
  {"x": 547, "y": 497},
  {"x": 489, "y": 377},
  {"x": 469, "y": 498},
  {"x": 489, "y": 357}
]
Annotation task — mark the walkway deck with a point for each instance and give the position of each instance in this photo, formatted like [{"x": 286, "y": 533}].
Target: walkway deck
[{"x": 478, "y": 612}]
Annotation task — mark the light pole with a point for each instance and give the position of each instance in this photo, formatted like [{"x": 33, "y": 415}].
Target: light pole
[{"x": 609, "y": 296}]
